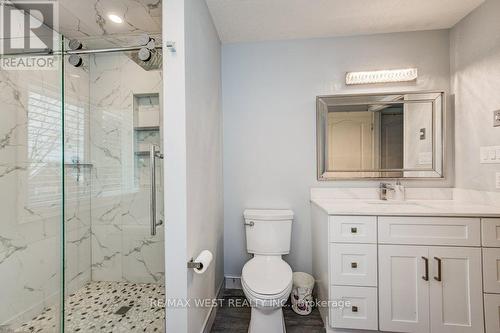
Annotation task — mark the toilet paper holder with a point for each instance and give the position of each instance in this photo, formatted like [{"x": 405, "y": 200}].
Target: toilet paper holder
[
  {"x": 195, "y": 265},
  {"x": 201, "y": 263}
]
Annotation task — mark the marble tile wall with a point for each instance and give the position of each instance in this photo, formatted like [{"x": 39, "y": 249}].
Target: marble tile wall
[
  {"x": 30, "y": 192},
  {"x": 77, "y": 178},
  {"x": 122, "y": 249},
  {"x": 90, "y": 23},
  {"x": 106, "y": 204}
]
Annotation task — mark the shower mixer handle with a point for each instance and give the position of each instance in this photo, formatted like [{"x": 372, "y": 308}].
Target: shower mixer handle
[{"x": 153, "y": 155}]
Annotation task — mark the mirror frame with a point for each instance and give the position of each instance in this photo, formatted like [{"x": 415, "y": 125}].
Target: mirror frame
[{"x": 321, "y": 141}]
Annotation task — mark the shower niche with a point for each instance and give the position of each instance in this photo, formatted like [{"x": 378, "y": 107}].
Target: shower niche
[{"x": 147, "y": 119}]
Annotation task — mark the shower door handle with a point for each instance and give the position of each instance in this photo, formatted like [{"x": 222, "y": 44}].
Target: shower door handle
[{"x": 153, "y": 155}]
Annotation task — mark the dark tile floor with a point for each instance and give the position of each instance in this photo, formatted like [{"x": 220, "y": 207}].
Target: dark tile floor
[{"x": 236, "y": 319}]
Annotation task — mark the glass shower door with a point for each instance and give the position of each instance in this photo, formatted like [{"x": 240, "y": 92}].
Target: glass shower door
[
  {"x": 77, "y": 190},
  {"x": 114, "y": 265},
  {"x": 31, "y": 192},
  {"x": 76, "y": 244}
]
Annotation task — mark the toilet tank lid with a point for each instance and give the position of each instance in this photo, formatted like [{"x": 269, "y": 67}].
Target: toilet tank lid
[{"x": 268, "y": 214}]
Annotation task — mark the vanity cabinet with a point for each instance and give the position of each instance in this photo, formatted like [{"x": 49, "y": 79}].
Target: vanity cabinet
[
  {"x": 430, "y": 289},
  {"x": 353, "y": 271},
  {"x": 454, "y": 231},
  {"x": 404, "y": 294},
  {"x": 456, "y": 301},
  {"x": 435, "y": 284},
  {"x": 353, "y": 229},
  {"x": 408, "y": 273}
]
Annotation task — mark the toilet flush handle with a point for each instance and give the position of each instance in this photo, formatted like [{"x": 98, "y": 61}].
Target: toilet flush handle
[{"x": 250, "y": 224}]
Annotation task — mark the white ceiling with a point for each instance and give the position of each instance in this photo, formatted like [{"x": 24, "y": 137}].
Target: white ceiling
[{"x": 258, "y": 20}]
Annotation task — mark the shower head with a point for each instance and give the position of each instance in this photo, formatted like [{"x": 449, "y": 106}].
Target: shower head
[
  {"x": 148, "y": 57},
  {"x": 149, "y": 60}
]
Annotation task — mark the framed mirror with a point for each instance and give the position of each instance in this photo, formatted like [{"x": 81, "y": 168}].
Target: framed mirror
[{"x": 385, "y": 135}]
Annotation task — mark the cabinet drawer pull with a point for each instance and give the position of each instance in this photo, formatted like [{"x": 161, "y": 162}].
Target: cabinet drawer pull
[
  {"x": 354, "y": 265},
  {"x": 354, "y": 230},
  {"x": 439, "y": 277},
  {"x": 426, "y": 276},
  {"x": 354, "y": 308}
]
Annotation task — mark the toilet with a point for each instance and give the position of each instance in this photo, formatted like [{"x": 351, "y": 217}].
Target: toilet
[{"x": 266, "y": 278}]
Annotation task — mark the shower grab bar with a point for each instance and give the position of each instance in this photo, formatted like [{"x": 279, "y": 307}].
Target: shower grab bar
[{"x": 153, "y": 154}]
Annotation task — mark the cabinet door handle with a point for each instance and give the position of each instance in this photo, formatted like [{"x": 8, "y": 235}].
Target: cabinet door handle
[
  {"x": 354, "y": 309},
  {"x": 439, "y": 277},
  {"x": 426, "y": 276},
  {"x": 354, "y": 230}
]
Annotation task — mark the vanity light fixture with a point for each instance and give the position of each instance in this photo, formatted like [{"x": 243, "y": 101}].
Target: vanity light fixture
[
  {"x": 384, "y": 76},
  {"x": 115, "y": 18}
]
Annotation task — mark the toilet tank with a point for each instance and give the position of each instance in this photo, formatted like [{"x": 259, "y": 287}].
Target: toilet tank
[{"x": 268, "y": 231}]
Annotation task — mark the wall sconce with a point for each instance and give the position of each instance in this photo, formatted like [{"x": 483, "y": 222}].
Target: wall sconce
[{"x": 384, "y": 76}]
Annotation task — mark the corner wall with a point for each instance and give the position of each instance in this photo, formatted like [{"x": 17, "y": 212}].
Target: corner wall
[
  {"x": 475, "y": 70},
  {"x": 205, "y": 220},
  {"x": 193, "y": 161}
]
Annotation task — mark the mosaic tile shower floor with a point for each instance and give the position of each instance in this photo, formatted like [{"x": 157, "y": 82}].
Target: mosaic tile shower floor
[{"x": 92, "y": 309}]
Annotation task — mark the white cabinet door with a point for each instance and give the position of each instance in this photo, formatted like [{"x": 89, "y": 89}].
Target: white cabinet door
[
  {"x": 353, "y": 265},
  {"x": 456, "y": 290},
  {"x": 492, "y": 312},
  {"x": 457, "y": 231},
  {"x": 403, "y": 288},
  {"x": 491, "y": 232},
  {"x": 353, "y": 229},
  {"x": 491, "y": 270},
  {"x": 362, "y": 312}
]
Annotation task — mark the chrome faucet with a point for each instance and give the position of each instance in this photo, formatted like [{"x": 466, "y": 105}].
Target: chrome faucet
[{"x": 386, "y": 188}]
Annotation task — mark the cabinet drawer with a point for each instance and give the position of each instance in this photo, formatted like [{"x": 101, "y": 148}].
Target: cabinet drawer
[
  {"x": 491, "y": 270},
  {"x": 362, "y": 314},
  {"x": 353, "y": 264},
  {"x": 492, "y": 313},
  {"x": 429, "y": 231},
  {"x": 353, "y": 229},
  {"x": 491, "y": 232}
]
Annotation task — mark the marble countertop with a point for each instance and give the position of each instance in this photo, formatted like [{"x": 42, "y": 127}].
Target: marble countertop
[{"x": 406, "y": 208}]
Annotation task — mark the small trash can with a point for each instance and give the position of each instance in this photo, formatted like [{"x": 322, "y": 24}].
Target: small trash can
[{"x": 302, "y": 300}]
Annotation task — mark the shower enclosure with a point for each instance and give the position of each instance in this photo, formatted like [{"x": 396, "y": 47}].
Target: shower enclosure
[{"x": 81, "y": 234}]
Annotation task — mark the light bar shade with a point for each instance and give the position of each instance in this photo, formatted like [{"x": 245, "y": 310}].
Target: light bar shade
[{"x": 384, "y": 76}]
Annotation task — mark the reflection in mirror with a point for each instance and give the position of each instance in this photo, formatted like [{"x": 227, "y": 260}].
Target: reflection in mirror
[{"x": 380, "y": 136}]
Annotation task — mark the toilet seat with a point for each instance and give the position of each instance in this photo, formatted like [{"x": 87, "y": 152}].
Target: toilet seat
[
  {"x": 256, "y": 296},
  {"x": 267, "y": 277}
]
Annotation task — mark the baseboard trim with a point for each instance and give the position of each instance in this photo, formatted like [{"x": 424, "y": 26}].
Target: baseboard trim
[
  {"x": 233, "y": 282},
  {"x": 210, "y": 319}
]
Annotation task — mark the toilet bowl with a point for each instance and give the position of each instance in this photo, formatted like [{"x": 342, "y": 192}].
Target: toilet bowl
[
  {"x": 266, "y": 278},
  {"x": 267, "y": 284}
]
